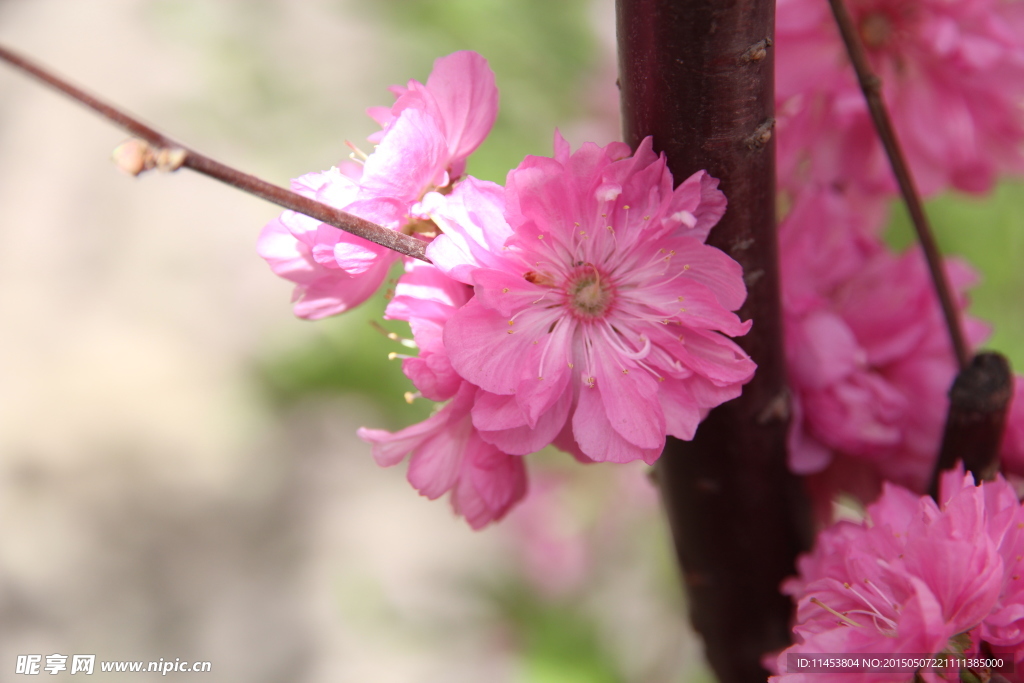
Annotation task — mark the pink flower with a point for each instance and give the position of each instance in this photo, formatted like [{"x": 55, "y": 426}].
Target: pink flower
[
  {"x": 333, "y": 271},
  {"x": 911, "y": 577},
  {"x": 428, "y": 134},
  {"x": 1012, "y": 450},
  {"x": 598, "y": 323},
  {"x": 825, "y": 239},
  {"x": 425, "y": 298},
  {"x": 449, "y": 455},
  {"x": 459, "y": 95},
  {"x": 868, "y": 355},
  {"x": 952, "y": 74},
  {"x": 550, "y": 539}
]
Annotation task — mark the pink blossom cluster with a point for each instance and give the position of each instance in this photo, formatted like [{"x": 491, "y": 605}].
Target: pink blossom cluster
[
  {"x": 869, "y": 358},
  {"x": 952, "y": 74},
  {"x": 577, "y": 306},
  {"x": 915, "y": 577},
  {"x": 870, "y": 362}
]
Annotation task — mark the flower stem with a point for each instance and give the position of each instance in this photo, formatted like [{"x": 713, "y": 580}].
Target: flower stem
[
  {"x": 871, "y": 85},
  {"x": 698, "y": 76},
  {"x": 201, "y": 163}
]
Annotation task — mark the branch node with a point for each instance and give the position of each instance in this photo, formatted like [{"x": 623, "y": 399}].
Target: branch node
[
  {"x": 135, "y": 156},
  {"x": 761, "y": 135},
  {"x": 777, "y": 409},
  {"x": 757, "y": 51}
]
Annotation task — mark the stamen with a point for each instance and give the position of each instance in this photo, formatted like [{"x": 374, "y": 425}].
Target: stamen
[
  {"x": 825, "y": 607},
  {"x": 357, "y": 155},
  {"x": 408, "y": 343}
]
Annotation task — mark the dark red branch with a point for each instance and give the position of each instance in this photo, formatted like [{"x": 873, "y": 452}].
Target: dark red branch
[
  {"x": 698, "y": 76},
  {"x": 871, "y": 85},
  {"x": 201, "y": 163},
  {"x": 978, "y": 403}
]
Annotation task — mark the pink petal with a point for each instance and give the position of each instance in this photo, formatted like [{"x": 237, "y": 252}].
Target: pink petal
[
  {"x": 462, "y": 84},
  {"x": 596, "y": 437}
]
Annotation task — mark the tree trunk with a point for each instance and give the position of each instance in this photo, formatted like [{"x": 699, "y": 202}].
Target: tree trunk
[{"x": 698, "y": 76}]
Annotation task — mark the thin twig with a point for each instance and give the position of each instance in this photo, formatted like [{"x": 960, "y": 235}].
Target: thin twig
[
  {"x": 872, "y": 85},
  {"x": 403, "y": 244}
]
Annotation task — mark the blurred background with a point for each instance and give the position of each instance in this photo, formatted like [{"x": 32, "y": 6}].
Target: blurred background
[{"x": 179, "y": 472}]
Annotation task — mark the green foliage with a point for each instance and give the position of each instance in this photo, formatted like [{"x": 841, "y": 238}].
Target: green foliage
[
  {"x": 558, "y": 642},
  {"x": 349, "y": 356},
  {"x": 989, "y": 232},
  {"x": 539, "y": 50}
]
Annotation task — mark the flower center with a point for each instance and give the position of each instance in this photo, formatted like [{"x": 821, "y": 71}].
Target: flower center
[{"x": 588, "y": 292}]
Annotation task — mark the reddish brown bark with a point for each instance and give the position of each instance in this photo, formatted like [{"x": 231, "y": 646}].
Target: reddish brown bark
[
  {"x": 978, "y": 403},
  {"x": 698, "y": 76}
]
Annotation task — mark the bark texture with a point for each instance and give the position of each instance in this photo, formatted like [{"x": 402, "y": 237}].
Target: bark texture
[{"x": 698, "y": 76}]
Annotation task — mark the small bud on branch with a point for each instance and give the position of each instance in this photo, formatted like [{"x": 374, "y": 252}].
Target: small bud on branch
[{"x": 169, "y": 155}]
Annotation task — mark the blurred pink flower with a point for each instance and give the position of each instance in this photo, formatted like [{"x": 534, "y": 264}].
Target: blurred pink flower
[
  {"x": 1012, "y": 451},
  {"x": 427, "y": 136},
  {"x": 912, "y": 576},
  {"x": 869, "y": 358},
  {"x": 597, "y": 324},
  {"x": 953, "y": 79},
  {"x": 551, "y": 541}
]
